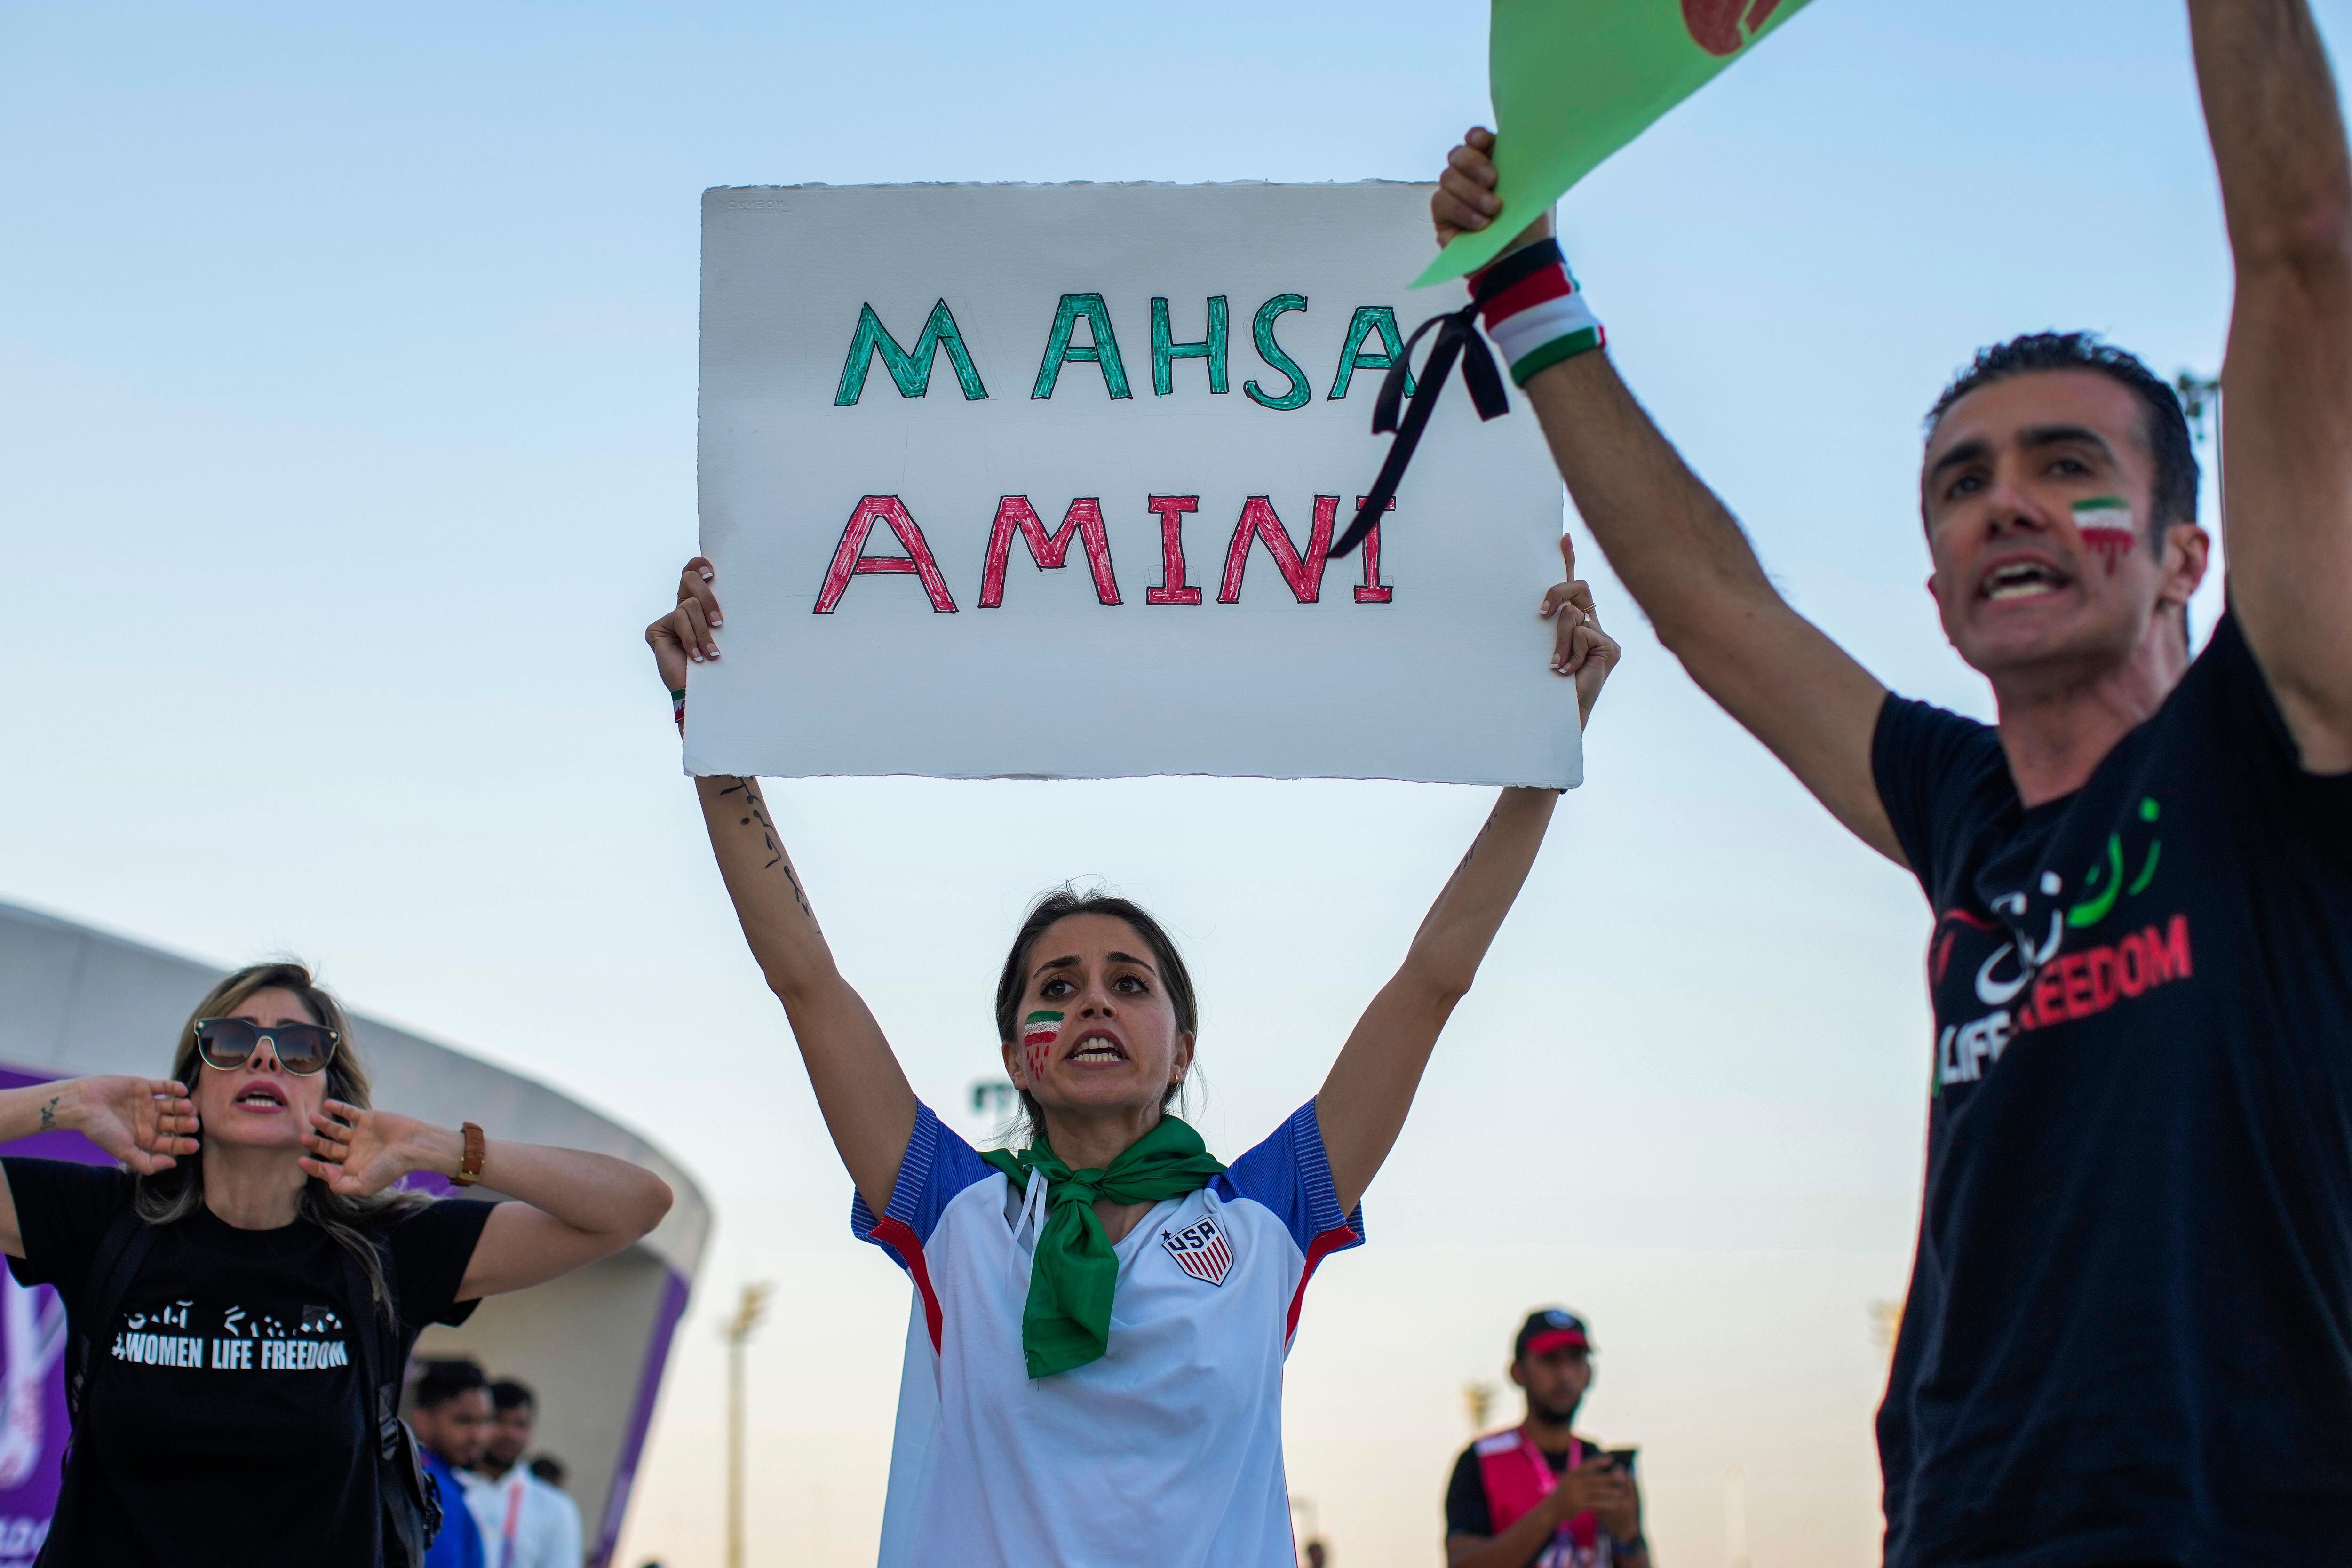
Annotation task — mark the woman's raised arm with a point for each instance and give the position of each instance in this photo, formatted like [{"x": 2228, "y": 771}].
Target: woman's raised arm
[
  {"x": 869, "y": 1106},
  {"x": 143, "y": 1121},
  {"x": 1362, "y": 1104},
  {"x": 571, "y": 1207}
]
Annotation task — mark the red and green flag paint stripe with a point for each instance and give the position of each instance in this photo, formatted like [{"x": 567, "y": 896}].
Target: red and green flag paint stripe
[
  {"x": 1038, "y": 1032},
  {"x": 1538, "y": 317},
  {"x": 1575, "y": 80},
  {"x": 2105, "y": 525}
]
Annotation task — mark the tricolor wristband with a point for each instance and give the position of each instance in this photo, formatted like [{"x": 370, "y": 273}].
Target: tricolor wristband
[
  {"x": 678, "y": 707},
  {"x": 1533, "y": 310}
]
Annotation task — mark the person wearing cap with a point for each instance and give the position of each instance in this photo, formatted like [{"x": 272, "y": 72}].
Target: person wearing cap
[{"x": 1536, "y": 1495}]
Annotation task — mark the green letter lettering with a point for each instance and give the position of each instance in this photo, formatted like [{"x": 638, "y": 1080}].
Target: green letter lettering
[
  {"x": 1368, "y": 320},
  {"x": 1103, "y": 351},
  {"x": 912, "y": 372},
  {"x": 1271, "y": 352},
  {"x": 1166, "y": 351}
]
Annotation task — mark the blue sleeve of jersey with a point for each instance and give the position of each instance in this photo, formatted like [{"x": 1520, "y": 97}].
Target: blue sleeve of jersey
[
  {"x": 1291, "y": 1174},
  {"x": 937, "y": 1166}
]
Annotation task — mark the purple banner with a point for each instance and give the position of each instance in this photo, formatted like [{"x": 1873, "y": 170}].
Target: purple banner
[
  {"x": 32, "y": 1369},
  {"x": 633, "y": 1443}
]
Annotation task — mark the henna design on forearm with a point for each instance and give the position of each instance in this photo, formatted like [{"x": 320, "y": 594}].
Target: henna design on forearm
[
  {"x": 798, "y": 892},
  {"x": 770, "y": 837},
  {"x": 768, "y": 834},
  {"x": 1471, "y": 853}
]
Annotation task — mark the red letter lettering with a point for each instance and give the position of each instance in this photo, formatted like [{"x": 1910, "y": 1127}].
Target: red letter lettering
[
  {"x": 2101, "y": 962},
  {"x": 1258, "y": 521},
  {"x": 1083, "y": 519},
  {"x": 851, "y": 560},
  {"x": 1372, "y": 590},
  {"x": 1173, "y": 589},
  {"x": 2131, "y": 966},
  {"x": 2049, "y": 1004},
  {"x": 2077, "y": 984},
  {"x": 2167, "y": 956}
]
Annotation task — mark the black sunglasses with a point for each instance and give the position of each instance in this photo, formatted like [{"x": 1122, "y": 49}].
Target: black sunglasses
[{"x": 227, "y": 1044}]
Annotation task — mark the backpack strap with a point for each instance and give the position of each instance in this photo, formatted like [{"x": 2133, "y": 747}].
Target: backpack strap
[
  {"x": 378, "y": 1333},
  {"x": 410, "y": 1508},
  {"x": 114, "y": 1265},
  {"x": 125, "y": 1247}
]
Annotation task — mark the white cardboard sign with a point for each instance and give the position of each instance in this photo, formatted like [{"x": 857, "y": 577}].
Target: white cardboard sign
[{"x": 1038, "y": 481}]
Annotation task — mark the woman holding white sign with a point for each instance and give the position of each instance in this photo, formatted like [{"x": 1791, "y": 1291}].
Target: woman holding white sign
[{"x": 1096, "y": 1375}]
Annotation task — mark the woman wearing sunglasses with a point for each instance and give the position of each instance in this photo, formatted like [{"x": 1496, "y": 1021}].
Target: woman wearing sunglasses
[
  {"x": 254, "y": 1237},
  {"x": 1094, "y": 1364}
]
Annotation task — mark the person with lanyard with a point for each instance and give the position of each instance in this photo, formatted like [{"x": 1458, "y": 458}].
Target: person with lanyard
[
  {"x": 1094, "y": 1351},
  {"x": 525, "y": 1521},
  {"x": 227, "y": 1293},
  {"x": 1536, "y": 1495},
  {"x": 2124, "y": 1340},
  {"x": 451, "y": 1414}
]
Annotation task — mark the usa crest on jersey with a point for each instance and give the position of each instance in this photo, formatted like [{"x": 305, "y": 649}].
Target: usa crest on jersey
[{"x": 1199, "y": 1250}]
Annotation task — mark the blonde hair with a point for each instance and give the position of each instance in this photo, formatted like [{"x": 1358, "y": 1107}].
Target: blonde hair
[{"x": 170, "y": 1196}]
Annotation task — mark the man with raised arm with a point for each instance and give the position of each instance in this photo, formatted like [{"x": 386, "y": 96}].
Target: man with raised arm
[{"x": 2128, "y": 1338}]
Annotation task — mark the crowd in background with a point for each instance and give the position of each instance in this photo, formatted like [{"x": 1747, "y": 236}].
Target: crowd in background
[{"x": 475, "y": 1435}]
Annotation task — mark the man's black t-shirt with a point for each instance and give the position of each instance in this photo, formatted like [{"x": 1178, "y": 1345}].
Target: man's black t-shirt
[
  {"x": 223, "y": 1422},
  {"x": 1467, "y": 1511},
  {"x": 2129, "y": 1330}
]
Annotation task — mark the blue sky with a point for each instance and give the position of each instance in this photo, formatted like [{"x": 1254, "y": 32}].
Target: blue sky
[{"x": 347, "y": 374}]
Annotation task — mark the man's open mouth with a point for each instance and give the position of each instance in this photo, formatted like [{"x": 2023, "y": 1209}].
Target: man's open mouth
[{"x": 2019, "y": 580}]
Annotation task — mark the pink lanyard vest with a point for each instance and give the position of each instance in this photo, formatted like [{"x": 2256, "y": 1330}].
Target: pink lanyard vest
[
  {"x": 1517, "y": 1477},
  {"x": 516, "y": 1486}
]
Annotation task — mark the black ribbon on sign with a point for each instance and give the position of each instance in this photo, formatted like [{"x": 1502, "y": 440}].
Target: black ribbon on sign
[{"x": 1457, "y": 335}]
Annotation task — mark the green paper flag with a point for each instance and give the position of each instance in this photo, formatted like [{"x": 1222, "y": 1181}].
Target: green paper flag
[{"x": 1574, "y": 81}]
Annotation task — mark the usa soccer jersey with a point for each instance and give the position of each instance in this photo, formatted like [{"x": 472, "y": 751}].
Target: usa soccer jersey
[{"x": 1168, "y": 1449}]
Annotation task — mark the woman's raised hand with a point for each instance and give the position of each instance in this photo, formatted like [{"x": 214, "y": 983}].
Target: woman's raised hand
[
  {"x": 683, "y": 636},
  {"x": 358, "y": 1154},
  {"x": 1579, "y": 647},
  {"x": 142, "y": 1122}
]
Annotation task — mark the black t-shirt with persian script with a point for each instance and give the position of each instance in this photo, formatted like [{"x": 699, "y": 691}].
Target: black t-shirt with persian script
[
  {"x": 223, "y": 1422},
  {"x": 2129, "y": 1331}
]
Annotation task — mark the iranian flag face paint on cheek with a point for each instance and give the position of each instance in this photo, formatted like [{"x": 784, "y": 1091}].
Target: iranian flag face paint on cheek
[
  {"x": 2105, "y": 525},
  {"x": 1038, "y": 1033}
]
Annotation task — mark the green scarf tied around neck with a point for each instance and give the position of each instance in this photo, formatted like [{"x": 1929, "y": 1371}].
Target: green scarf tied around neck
[{"x": 1073, "y": 1272}]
